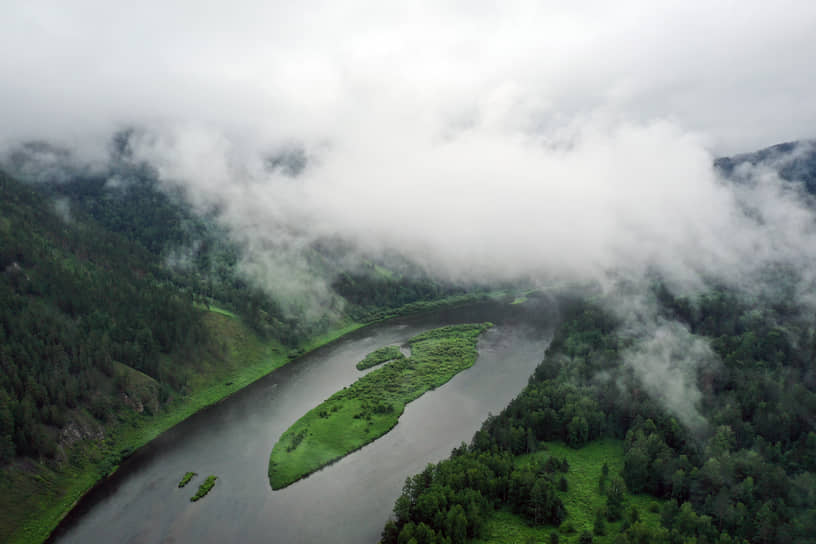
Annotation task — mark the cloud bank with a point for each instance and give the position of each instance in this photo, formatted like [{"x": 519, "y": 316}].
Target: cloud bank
[{"x": 484, "y": 143}]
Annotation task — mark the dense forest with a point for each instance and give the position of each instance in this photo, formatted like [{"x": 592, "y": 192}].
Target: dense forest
[
  {"x": 749, "y": 476},
  {"x": 75, "y": 301}
]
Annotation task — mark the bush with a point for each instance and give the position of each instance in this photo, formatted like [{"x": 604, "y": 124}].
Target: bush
[
  {"x": 567, "y": 528},
  {"x": 186, "y": 479},
  {"x": 204, "y": 488}
]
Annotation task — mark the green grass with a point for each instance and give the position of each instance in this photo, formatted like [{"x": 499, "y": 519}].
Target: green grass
[
  {"x": 384, "y": 272},
  {"x": 37, "y": 500},
  {"x": 582, "y": 499},
  {"x": 186, "y": 479},
  {"x": 371, "y": 406},
  {"x": 204, "y": 488},
  {"x": 379, "y": 356},
  {"x": 215, "y": 309},
  {"x": 222, "y": 311}
]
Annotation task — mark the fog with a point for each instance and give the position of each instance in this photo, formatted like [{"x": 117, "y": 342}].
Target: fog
[{"x": 483, "y": 142}]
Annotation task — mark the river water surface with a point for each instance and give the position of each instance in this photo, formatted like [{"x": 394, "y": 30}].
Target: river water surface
[{"x": 347, "y": 502}]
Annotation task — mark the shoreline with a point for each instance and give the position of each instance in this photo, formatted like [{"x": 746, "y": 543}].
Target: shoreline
[{"x": 79, "y": 483}]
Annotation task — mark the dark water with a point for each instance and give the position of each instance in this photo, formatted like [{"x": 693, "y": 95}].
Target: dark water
[{"x": 348, "y": 501}]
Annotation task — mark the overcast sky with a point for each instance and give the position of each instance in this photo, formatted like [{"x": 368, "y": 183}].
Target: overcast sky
[
  {"x": 738, "y": 73},
  {"x": 484, "y": 140}
]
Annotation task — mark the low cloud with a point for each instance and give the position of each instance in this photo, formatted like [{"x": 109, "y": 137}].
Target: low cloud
[
  {"x": 666, "y": 358},
  {"x": 481, "y": 143}
]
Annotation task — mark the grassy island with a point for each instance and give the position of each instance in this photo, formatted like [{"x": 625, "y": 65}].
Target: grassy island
[
  {"x": 204, "y": 488},
  {"x": 186, "y": 479},
  {"x": 379, "y": 356},
  {"x": 371, "y": 406}
]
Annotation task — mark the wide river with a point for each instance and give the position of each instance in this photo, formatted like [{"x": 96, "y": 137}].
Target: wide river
[{"x": 348, "y": 501}]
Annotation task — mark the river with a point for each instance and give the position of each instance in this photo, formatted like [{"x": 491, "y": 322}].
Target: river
[{"x": 347, "y": 502}]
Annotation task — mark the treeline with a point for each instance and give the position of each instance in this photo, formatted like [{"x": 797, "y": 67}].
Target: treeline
[
  {"x": 450, "y": 501},
  {"x": 371, "y": 290},
  {"x": 749, "y": 478}
]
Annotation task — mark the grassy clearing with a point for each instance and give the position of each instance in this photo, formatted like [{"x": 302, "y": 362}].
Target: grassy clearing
[
  {"x": 372, "y": 405},
  {"x": 582, "y": 499},
  {"x": 222, "y": 311},
  {"x": 379, "y": 356},
  {"x": 204, "y": 488},
  {"x": 384, "y": 272},
  {"x": 214, "y": 309},
  {"x": 186, "y": 478}
]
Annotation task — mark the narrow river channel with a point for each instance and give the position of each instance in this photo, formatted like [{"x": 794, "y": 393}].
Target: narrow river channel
[{"x": 347, "y": 502}]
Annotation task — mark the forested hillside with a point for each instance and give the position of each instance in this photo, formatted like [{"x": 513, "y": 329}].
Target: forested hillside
[
  {"x": 793, "y": 161},
  {"x": 748, "y": 475},
  {"x": 77, "y": 300}
]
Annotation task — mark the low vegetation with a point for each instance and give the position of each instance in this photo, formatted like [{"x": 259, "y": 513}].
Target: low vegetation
[
  {"x": 371, "y": 406},
  {"x": 588, "y": 484},
  {"x": 379, "y": 356},
  {"x": 204, "y": 488},
  {"x": 186, "y": 478}
]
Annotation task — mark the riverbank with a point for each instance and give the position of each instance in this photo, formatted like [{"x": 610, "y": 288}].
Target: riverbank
[{"x": 37, "y": 495}]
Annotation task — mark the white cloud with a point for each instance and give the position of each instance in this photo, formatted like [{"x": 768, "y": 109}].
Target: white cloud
[{"x": 483, "y": 140}]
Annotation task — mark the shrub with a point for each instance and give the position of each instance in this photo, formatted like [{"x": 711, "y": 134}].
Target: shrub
[
  {"x": 204, "y": 488},
  {"x": 186, "y": 479}
]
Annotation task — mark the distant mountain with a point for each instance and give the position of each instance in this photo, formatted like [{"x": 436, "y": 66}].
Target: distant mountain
[{"x": 794, "y": 161}]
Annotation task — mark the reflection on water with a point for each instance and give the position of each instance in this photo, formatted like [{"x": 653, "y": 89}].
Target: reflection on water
[{"x": 348, "y": 501}]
